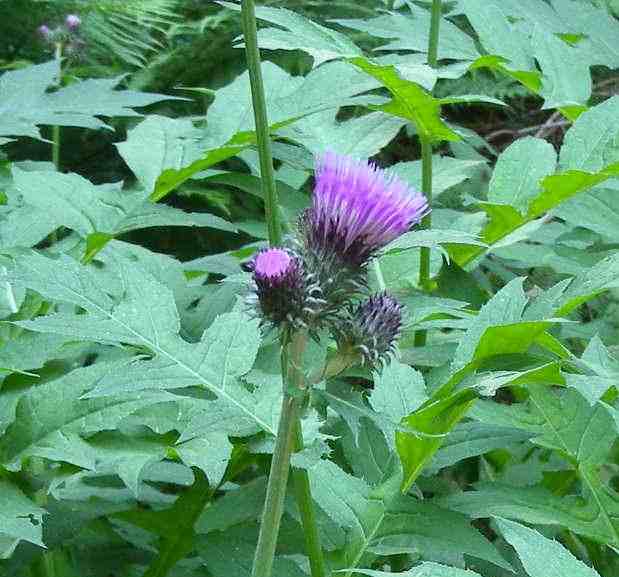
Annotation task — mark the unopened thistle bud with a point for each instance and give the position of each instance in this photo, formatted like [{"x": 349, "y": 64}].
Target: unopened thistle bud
[
  {"x": 372, "y": 329},
  {"x": 72, "y": 22},
  {"x": 281, "y": 288},
  {"x": 44, "y": 32}
]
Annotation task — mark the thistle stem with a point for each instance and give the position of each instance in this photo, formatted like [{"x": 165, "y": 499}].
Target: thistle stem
[
  {"x": 313, "y": 547},
  {"x": 435, "y": 23},
  {"x": 289, "y": 434},
  {"x": 292, "y": 357},
  {"x": 426, "y": 164},
  {"x": 267, "y": 175},
  {"x": 56, "y": 129}
]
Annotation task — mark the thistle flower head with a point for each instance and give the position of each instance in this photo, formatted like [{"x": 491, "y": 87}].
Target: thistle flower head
[
  {"x": 72, "y": 22},
  {"x": 271, "y": 264},
  {"x": 357, "y": 209},
  {"x": 44, "y": 32},
  {"x": 373, "y": 328},
  {"x": 280, "y": 286}
]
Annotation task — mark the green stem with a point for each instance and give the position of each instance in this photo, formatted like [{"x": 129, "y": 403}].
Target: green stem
[
  {"x": 56, "y": 129},
  {"x": 289, "y": 435},
  {"x": 56, "y": 147},
  {"x": 426, "y": 223},
  {"x": 435, "y": 23},
  {"x": 280, "y": 464},
  {"x": 269, "y": 191},
  {"x": 303, "y": 493},
  {"x": 426, "y": 165}
]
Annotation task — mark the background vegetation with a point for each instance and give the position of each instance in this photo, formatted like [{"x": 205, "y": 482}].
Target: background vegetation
[{"x": 139, "y": 397}]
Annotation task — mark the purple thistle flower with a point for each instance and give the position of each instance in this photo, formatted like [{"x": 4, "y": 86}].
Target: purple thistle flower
[
  {"x": 357, "y": 209},
  {"x": 373, "y": 329},
  {"x": 44, "y": 32},
  {"x": 280, "y": 286},
  {"x": 271, "y": 264},
  {"x": 72, "y": 22}
]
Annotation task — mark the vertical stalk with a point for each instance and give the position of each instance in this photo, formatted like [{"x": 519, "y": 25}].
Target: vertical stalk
[
  {"x": 269, "y": 191},
  {"x": 303, "y": 494},
  {"x": 435, "y": 24},
  {"x": 280, "y": 465},
  {"x": 56, "y": 129},
  {"x": 289, "y": 434},
  {"x": 426, "y": 164}
]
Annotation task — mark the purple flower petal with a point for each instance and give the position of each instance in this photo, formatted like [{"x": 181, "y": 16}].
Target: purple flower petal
[
  {"x": 72, "y": 21},
  {"x": 271, "y": 263},
  {"x": 358, "y": 208}
]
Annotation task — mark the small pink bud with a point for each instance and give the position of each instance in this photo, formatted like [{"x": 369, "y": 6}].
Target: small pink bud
[
  {"x": 44, "y": 32},
  {"x": 72, "y": 22}
]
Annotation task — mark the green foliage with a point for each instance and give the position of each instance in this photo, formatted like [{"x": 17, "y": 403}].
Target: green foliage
[{"x": 140, "y": 393}]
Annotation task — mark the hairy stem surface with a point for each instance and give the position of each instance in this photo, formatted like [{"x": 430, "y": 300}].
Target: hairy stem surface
[
  {"x": 313, "y": 547},
  {"x": 292, "y": 354},
  {"x": 267, "y": 175}
]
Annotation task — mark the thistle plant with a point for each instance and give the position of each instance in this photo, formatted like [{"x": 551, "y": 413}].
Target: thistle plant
[
  {"x": 318, "y": 282},
  {"x": 151, "y": 427},
  {"x": 65, "y": 41},
  {"x": 65, "y": 35}
]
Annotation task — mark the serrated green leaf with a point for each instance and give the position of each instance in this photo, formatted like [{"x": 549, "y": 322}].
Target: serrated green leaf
[
  {"x": 591, "y": 143},
  {"x": 159, "y": 143},
  {"x": 497, "y": 34},
  {"x": 360, "y": 137},
  {"x": 175, "y": 526},
  {"x": 427, "y": 428},
  {"x": 385, "y": 523},
  {"x": 20, "y": 518},
  {"x": 210, "y": 454},
  {"x": 446, "y": 172},
  {"x": 408, "y": 33},
  {"x": 471, "y": 439},
  {"x": 231, "y": 553},
  {"x": 590, "y": 283},
  {"x": 535, "y": 552},
  {"x": 409, "y": 101},
  {"x": 235, "y": 507},
  {"x": 98, "y": 213},
  {"x": 50, "y": 418},
  {"x": 572, "y": 427},
  {"x": 499, "y": 328},
  {"x": 535, "y": 505},
  {"x": 143, "y": 312},
  {"x": 368, "y": 453},
  {"x": 604, "y": 367},
  {"x": 300, "y": 33},
  {"x": 566, "y": 80},
  {"x": 504, "y": 220},
  {"x": 26, "y": 103},
  {"x": 398, "y": 391},
  {"x": 431, "y": 239},
  {"x": 518, "y": 171}
]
